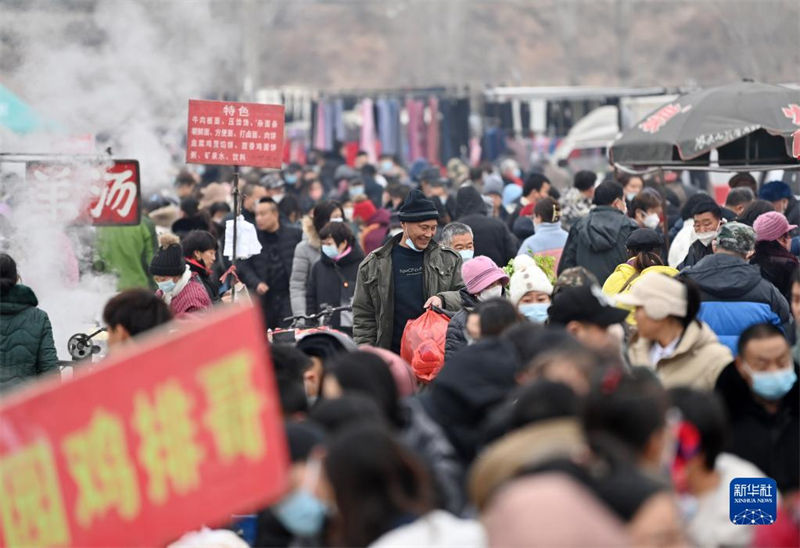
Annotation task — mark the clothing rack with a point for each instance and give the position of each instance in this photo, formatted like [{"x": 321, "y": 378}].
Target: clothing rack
[{"x": 455, "y": 92}]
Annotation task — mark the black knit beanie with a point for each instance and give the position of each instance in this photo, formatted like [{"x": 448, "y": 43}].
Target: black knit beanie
[
  {"x": 417, "y": 208},
  {"x": 168, "y": 261}
]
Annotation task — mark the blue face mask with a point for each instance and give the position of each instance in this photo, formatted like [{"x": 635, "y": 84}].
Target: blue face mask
[
  {"x": 290, "y": 178},
  {"x": 330, "y": 251},
  {"x": 773, "y": 385},
  {"x": 301, "y": 513},
  {"x": 356, "y": 190},
  {"x": 387, "y": 166},
  {"x": 466, "y": 254},
  {"x": 411, "y": 245},
  {"x": 535, "y": 312},
  {"x": 166, "y": 287}
]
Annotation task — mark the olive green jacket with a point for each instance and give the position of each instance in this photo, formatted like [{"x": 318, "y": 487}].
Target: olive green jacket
[{"x": 373, "y": 303}]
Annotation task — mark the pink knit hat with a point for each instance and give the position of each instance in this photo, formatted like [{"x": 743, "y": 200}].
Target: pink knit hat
[
  {"x": 480, "y": 273},
  {"x": 771, "y": 226}
]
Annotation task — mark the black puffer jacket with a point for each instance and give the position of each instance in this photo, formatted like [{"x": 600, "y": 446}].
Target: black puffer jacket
[
  {"x": 333, "y": 283},
  {"x": 771, "y": 442},
  {"x": 272, "y": 266},
  {"x": 458, "y": 323},
  {"x": 597, "y": 242},
  {"x": 492, "y": 237},
  {"x": 471, "y": 383}
]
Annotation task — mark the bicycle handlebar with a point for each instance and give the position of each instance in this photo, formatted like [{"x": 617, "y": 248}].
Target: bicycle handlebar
[{"x": 327, "y": 311}]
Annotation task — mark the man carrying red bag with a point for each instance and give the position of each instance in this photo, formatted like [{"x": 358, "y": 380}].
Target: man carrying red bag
[{"x": 398, "y": 281}]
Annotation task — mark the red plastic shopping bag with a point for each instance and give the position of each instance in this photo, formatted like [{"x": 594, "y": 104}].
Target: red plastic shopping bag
[{"x": 423, "y": 344}]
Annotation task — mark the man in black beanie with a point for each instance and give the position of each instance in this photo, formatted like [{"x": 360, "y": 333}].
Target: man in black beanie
[{"x": 398, "y": 281}]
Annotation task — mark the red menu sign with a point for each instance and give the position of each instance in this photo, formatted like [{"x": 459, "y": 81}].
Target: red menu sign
[
  {"x": 242, "y": 134},
  {"x": 178, "y": 432},
  {"x": 113, "y": 192}
]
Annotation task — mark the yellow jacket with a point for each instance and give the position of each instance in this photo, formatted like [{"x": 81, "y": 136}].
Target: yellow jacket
[{"x": 615, "y": 283}]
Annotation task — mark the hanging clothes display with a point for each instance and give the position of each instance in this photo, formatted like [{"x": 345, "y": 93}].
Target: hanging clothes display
[
  {"x": 297, "y": 143},
  {"x": 501, "y": 114},
  {"x": 338, "y": 122},
  {"x": 494, "y": 144},
  {"x": 389, "y": 130},
  {"x": 416, "y": 125},
  {"x": 429, "y": 125},
  {"x": 432, "y": 134},
  {"x": 319, "y": 127},
  {"x": 330, "y": 124},
  {"x": 516, "y": 118},
  {"x": 454, "y": 129},
  {"x": 368, "y": 137},
  {"x": 475, "y": 152}
]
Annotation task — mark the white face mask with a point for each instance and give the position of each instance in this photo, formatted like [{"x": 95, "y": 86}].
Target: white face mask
[
  {"x": 706, "y": 237},
  {"x": 490, "y": 293},
  {"x": 651, "y": 221}
]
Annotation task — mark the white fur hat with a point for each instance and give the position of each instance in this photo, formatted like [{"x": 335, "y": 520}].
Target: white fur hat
[{"x": 527, "y": 277}]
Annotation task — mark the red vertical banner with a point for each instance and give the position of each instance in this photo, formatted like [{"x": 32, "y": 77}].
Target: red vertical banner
[
  {"x": 179, "y": 432},
  {"x": 229, "y": 133}
]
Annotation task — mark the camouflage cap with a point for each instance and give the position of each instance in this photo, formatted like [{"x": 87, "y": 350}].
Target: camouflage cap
[
  {"x": 574, "y": 277},
  {"x": 736, "y": 237}
]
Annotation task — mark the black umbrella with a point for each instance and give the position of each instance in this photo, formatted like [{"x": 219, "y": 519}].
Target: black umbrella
[{"x": 748, "y": 123}]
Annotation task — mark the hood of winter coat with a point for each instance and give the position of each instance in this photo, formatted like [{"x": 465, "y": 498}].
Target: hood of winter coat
[
  {"x": 310, "y": 232},
  {"x": 381, "y": 217},
  {"x": 165, "y": 216},
  {"x": 604, "y": 224},
  {"x": 17, "y": 299},
  {"x": 466, "y": 387},
  {"x": 724, "y": 276},
  {"x": 469, "y": 202}
]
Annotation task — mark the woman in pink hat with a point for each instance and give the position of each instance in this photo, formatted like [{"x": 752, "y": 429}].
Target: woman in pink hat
[
  {"x": 484, "y": 280},
  {"x": 772, "y": 255}
]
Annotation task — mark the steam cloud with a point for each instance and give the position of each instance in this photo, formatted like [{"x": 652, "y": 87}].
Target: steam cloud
[{"x": 122, "y": 70}]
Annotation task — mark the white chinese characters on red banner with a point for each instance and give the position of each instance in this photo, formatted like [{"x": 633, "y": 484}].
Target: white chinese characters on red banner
[
  {"x": 110, "y": 193},
  {"x": 228, "y": 133}
]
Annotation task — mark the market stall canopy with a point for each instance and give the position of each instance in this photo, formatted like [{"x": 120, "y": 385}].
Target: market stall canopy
[
  {"x": 748, "y": 123},
  {"x": 19, "y": 117}
]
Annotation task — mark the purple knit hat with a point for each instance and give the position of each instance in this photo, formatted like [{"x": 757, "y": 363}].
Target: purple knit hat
[
  {"x": 771, "y": 226},
  {"x": 481, "y": 272}
]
